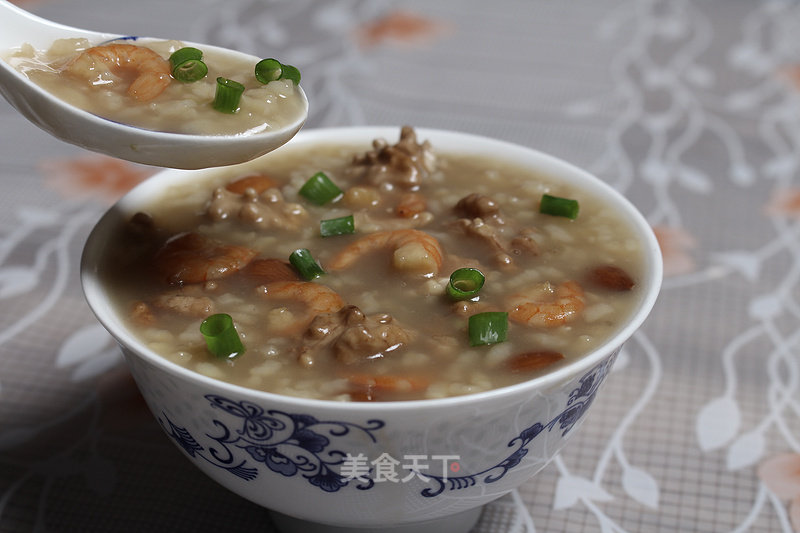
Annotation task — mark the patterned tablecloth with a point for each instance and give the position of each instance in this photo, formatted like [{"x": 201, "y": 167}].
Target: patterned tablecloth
[{"x": 690, "y": 108}]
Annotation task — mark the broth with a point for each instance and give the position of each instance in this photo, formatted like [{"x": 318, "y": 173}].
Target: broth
[{"x": 379, "y": 324}]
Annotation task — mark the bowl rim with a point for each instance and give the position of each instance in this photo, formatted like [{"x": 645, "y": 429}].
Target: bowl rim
[{"x": 453, "y": 141}]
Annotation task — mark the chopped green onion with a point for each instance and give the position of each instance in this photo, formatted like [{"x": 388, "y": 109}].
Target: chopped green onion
[
  {"x": 190, "y": 71},
  {"x": 337, "y": 226},
  {"x": 185, "y": 54},
  {"x": 488, "y": 328},
  {"x": 305, "y": 264},
  {"x": 320, "y": 189},
  {"x": 465, "y": 283},
  {"x": 221, "y": 336},
  {"x": 268, "y": 70},
  {"x": 229, "y": 92},
  {"x": 291, "y": 73},
  {"x": 187, "y": 64},
  {"x": 561, "y": 207}
]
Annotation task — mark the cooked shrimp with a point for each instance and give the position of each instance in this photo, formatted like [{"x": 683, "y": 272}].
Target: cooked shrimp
[
  {"x": 316, "y": 299},
  {"x": 547, "y": 306},
  {"x": 410, "y": 205},
  {"x": 193, "y": 258},
  {"x": 414, "y": 251},
  {"x": 270, "y": 270},
  {"x": 103, "y": 64}
]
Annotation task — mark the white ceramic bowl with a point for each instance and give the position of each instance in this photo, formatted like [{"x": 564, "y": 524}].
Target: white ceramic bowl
[{"x": 287, "y": 453}]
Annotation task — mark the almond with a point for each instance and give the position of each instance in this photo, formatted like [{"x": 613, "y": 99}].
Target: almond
[
  {"x": 258, "y": 182},
  {"x": 535, "y": 360},
  {"x": 612, "y": 278}
]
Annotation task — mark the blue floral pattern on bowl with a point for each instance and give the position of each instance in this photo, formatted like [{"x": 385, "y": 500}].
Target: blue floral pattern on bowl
[
  {"x": 580, "y": 399},
  {"x": 288, "y": 444},
  {"x": 300, "y": 444}
]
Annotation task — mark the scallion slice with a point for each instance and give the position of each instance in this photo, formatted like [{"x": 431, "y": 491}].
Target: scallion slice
[
  {"x": 190, "y": 71},
  {"x": 320, "y": 189},
  {"x": 560, "y": 207},
  {"x": 185, "y": 54},
  {"x": 490, "y": 327},
  {"x": 229, "y": 92},
  {"x": 465, "y": 283},
  {"x": 221, "y": 336},
  {"x": 337, "y": 226},
  {"x": 268, "y": 70},
  {"x": 187, "y": 64},
  {"x": 306, "y": 265},
  {"x": 291, "y": 73}
]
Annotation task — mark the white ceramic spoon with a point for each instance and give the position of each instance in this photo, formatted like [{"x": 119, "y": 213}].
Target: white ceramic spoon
[{"x": 89, "y": 131}]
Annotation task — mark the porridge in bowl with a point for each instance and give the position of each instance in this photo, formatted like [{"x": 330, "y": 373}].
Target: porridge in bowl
[
  {"x": 167, "y": 86},
  {"x": 397, "y": 271}
]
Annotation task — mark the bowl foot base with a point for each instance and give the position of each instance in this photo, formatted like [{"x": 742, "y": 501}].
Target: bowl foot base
[{"x": 458, "y": 523}]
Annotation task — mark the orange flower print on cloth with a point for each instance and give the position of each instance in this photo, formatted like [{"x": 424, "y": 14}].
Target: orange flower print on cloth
[
  {"x": 791, "y": 74},
  {"x": 784, "y": 203},
  {"x": 399, "y": 27},
  {"x": 676, "y": 246},
  {"x": 96, "y": 176},
  {"x": 781, "y": 475}
]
